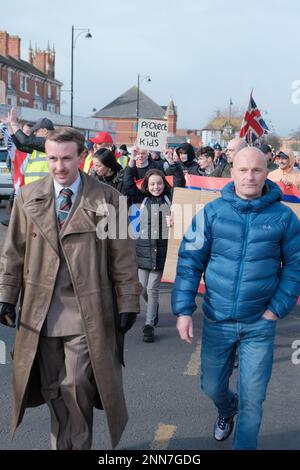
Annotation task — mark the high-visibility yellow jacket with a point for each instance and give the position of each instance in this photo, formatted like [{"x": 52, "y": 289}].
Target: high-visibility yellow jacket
[
  {"x": 88, "y": 163},
  {"x": 123, "y": 160},
  {"x": 36, "y": 168}
]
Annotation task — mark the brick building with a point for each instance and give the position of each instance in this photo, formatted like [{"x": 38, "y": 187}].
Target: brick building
[
  {"x": 123, "y": 111},
  {"x": 193, "y": 136},
  {"x": 31, "y": 84}
]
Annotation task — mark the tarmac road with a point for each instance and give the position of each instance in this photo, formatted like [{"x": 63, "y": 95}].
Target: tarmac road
[{"x": 167, "y": 410}]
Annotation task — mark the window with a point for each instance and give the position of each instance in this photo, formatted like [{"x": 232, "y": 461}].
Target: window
[
  {"x": 36, "y": 88},
  {"x": 9, "y": 78},
  {"x": 51, "y": 108},
  {"x": 24, "y": 102},
  {"x": 25, "y": 84},
  {"x": 49, "y": 90},
  {"x": 12, "y": 100},
  {"x": 3, "y": 155}
]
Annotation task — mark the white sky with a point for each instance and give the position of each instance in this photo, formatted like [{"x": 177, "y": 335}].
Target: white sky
[{"x": 200, "y": 52}]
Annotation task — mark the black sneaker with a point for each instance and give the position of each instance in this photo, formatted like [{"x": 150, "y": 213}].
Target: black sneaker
[
  {"x": 148, "y": 331},
  {"x": 5, "y": 221},
  {"x": 156, "y": 317},
  {"x": 223, "y": 428}
]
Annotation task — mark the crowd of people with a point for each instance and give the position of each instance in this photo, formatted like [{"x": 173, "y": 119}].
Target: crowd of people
[{"x": 80, "y": 292}]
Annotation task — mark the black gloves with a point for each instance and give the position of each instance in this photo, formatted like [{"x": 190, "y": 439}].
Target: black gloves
[
  {"x": 7, "y": 314},
  {"x": 125, "y": 321}
]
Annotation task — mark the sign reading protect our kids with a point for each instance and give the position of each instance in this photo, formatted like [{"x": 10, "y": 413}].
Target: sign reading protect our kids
[{"x": 152, "y": 134}]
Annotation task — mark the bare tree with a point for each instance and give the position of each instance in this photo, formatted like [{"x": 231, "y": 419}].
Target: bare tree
[
  {"x": 296, "y": 136},
  {"x": 274, "y": 141}
]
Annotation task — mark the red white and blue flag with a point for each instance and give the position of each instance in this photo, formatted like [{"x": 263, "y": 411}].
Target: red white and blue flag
[
  {"x": 253, "y": 125},
  {"x": 19, "y": 159}
]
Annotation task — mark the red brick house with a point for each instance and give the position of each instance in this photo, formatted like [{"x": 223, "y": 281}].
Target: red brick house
[
  {"x": 193, "y": 136},
  {"x": 31, "y": 84}
]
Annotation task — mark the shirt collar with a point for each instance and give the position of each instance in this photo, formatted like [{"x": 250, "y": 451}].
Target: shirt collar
[{"x": 74, "y": 186}]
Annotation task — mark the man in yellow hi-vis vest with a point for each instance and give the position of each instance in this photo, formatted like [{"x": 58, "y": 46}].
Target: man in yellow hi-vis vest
[
  {"x": 36, "y": 166},
  {"x": 123, "y": 158},
  {"x": 88, "y": 160}
]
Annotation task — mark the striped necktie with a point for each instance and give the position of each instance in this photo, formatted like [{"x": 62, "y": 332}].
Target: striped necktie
[{"x": 64, "y": 206}]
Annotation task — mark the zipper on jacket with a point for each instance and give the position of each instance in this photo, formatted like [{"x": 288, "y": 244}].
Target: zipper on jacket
[{"x": 241, "y": 265}]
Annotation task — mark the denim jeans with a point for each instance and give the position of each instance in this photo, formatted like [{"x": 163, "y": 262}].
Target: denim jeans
[
  {"x": 256, "y": 344},
  {"x": 150, "y": 281}
]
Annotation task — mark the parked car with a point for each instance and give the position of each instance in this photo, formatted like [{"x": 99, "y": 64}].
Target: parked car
[{"x": 6, "y": 183}]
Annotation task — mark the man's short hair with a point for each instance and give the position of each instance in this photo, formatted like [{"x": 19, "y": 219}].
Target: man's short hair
[
  {"x": 67, "y": 134},
  {"x": 207, "y": 151}
]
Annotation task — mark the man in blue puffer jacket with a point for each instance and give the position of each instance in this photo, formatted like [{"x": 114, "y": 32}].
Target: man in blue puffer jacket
[{"x": 247, "y": 244}]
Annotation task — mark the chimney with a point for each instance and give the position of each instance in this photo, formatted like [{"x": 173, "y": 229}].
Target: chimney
[
  {"x": 14, "y": 47},
  {"x": 171, "y": 115},
  {"x": 44, "y": 61},
  {"x": 4, "y": 43},
  {"x": 30, "y": 53},
  {"x": 39, "y": 60}
]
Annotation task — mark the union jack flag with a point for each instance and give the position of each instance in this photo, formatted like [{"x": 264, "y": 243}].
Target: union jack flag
[{"x": 253, "y": 125}]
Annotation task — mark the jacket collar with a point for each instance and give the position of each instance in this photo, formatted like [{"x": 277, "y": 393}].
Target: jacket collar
[
  {"x": 271, "y": 194},
  {"x": 40, "y": 206}
]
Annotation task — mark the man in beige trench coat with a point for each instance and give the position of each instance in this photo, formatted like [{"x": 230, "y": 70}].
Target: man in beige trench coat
[{"x": 79, "y": 295}]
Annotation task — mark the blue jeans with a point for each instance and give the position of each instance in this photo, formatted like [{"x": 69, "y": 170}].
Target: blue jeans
[{"x": 256, "y": 345}]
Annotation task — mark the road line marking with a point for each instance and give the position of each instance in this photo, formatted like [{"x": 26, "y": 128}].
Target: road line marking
[
  {"x": 193, "y": 366},
  {"x": 162, "y": 437}
]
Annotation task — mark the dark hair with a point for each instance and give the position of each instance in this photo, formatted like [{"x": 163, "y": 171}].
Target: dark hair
[
  {"x": 107, "y": 158},
  {"x": 67, "y": 134},
  {"x": 207, "y": 151},
  {"x": 188, "y": 149},
  {"x": 154, "y": 171}
]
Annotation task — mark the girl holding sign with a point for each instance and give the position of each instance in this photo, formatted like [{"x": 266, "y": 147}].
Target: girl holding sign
[{"x": 155, "y": 197}]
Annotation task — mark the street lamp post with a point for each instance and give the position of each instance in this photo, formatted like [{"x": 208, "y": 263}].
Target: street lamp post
[
  {"x": 73, "y": 42},
  {"x": 230, "y": 126},
  {"x": 139, "y": 78}
]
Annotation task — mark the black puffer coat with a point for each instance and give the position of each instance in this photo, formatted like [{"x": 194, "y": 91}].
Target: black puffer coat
[{"x": 151, "y": 246}]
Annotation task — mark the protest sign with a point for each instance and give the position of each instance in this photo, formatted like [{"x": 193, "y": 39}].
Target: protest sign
[
  {"x": 152, "y": 134},
  {"x": 186, "y": 203}
]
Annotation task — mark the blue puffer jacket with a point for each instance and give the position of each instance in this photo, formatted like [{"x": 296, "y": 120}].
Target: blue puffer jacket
[{"x": 250, "y": 253}]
